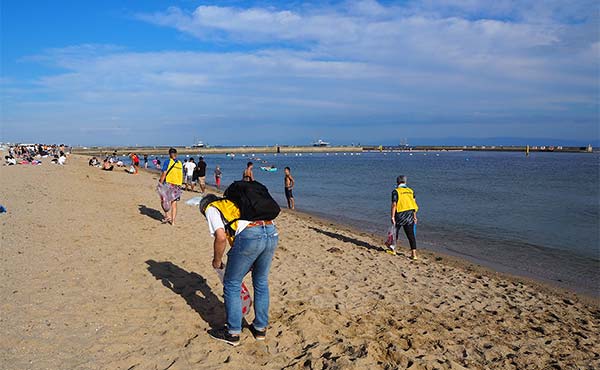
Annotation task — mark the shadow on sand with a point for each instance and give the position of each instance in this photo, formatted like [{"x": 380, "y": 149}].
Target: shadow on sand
[
  {"x": 347, "y": 239},
  {"x": 150, "y": 212},
  {"x": 187, "y": 284}
]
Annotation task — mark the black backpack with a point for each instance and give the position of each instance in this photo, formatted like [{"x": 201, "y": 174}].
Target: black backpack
[{"x": 253, "y": 200}]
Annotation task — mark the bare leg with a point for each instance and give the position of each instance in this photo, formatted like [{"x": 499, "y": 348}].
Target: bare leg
[
  {"x": 173, "y": 212},
  {"x": 293, "y": 203}
]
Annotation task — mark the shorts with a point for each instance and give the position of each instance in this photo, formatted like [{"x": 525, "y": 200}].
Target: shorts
[
  {"x": 188, "y": 179},
  {"x": 288, "y": 193},
  {"x": 202, "y": 180},
  {"x": 136, "y": 163}
]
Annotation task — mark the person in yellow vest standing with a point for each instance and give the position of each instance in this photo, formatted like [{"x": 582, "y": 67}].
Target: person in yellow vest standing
[
  {"x": 172, "y": 174},
  {"x": 404, "y": 214}
]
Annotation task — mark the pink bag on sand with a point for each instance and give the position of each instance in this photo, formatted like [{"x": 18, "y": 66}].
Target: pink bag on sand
[{"x": 244, "y": 295}]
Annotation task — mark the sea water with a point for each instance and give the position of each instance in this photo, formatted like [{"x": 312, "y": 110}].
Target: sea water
[{"x": 535, "y": 216}]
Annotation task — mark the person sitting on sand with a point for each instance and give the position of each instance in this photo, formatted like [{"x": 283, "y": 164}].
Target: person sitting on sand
[
  {"x": 289, "y": 183},
  {"x": 253, "y": 245},
  {"x": 172, "y": 174},
  {"x": 10, "y": 160},
  {"x": 248, "y": 175},
  {"x": 107, "y": 166},
  {"x": 404, "y": 214}
]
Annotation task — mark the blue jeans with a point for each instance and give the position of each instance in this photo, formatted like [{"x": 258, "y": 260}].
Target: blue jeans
[{"x": 253, "y": 248}]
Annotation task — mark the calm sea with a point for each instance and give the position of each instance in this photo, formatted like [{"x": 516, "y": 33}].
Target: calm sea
[{"x": 536, "y": 217}]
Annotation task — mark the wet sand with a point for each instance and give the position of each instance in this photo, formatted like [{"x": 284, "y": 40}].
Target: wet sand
[{"x": 92, "y": 280}]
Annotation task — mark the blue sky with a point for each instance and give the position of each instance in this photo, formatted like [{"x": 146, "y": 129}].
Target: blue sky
[{"x": 239, "y": 72}]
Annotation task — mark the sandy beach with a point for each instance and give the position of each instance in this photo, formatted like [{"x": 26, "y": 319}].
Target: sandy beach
[{"x": 92, "y": 280}]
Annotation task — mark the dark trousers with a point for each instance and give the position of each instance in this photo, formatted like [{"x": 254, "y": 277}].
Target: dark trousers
[{"x": 409, "y": 230}]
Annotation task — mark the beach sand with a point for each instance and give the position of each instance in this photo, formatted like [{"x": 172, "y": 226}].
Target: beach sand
[{"x": 92, "y": 280}]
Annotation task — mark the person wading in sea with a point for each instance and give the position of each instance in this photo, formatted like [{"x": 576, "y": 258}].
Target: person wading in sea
[
  {"x": 172, "y": 174},
  {"x": 404, "y": 214},
  {"x": 253, "y": 238},
  {"x": 248, "y": 175}
]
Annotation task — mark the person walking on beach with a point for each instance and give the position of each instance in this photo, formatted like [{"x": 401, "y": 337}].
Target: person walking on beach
[
  {"x": 145, "y": 160},
  {"x": 289, "y": 183},
  {"x": 404, "y": 214},
  {"x": 200, "y": 174},
  {"x": 189, "y": 166},
  {"x": 218, "y": 175},
  {"x": 172, "y": 174},
  {"x": 248, "y": 175},
  {"x": 253, "y": 245}
]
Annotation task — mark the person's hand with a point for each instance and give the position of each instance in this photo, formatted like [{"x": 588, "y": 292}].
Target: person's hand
[
  {"x": 415, "y": 219},
  {"x": 393, "y": 220},
  {"x": 218, "y": 264}
]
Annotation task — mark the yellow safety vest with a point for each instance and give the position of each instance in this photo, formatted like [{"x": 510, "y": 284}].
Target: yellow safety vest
[
  {"x": 229, "y": 212},
  {"x": 175, "y": 172},
  {"x": 406, "y": 200}
]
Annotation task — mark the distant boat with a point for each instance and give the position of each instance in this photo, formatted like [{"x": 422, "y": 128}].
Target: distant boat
[
  {"x": 269, "y": 168},
  {"x": 199, "y": 144},
  {"x": 320, "y": 143}
]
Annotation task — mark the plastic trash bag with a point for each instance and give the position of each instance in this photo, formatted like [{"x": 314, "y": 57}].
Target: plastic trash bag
[
  {"x": 195, "y": 201},
  {"x": 391, "y": 237},
  {"x": 167, "y": 194},
  {"x": 244, "y": 295}
]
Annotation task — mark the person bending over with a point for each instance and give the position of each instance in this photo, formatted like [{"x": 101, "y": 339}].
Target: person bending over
[{"x": 253, "y": 245}]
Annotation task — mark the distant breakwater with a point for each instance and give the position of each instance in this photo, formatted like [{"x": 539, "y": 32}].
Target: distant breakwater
[{"x": 121, "y": 150}]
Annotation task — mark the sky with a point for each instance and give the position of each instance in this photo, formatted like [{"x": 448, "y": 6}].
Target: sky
[{"x": 152, "y": 72}]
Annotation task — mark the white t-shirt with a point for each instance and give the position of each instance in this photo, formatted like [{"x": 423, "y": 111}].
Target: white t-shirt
[
  {"x": 215, "y": 222},
  {"x": 189, "y": 167},
  {"x": 62, "y": 160}
]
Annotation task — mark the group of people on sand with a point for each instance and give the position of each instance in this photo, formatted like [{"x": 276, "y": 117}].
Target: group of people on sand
[
  {"x": 195, "y": 173},
  {"x": 35, "y": 153},
  {"x": 253, "y": 237}
]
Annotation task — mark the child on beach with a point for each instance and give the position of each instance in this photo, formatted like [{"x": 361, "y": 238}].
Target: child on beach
[
  {"x": 218, "y": 175},
  {"x": 404, "y": 214}
]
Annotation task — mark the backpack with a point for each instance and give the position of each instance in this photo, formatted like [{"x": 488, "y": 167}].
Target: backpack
[{"x": 253, "y": 200}]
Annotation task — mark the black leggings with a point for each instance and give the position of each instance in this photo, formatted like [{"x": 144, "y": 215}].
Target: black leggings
[{"x": 409, "y": 230}]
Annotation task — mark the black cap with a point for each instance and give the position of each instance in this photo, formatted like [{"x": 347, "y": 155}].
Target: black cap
[
  {"x": 172, "y": 150},
  {"x": 206, "y": 200}
]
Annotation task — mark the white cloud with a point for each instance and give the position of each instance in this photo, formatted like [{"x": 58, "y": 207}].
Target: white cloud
[{"x": 468, "y": 62}]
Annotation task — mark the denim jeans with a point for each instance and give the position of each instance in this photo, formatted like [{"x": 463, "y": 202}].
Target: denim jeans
[{"x": 253, "y": 248}]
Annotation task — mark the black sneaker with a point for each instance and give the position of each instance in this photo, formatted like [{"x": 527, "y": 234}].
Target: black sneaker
[
  {"x": 258, "y": 334},
  {"x": 224, "y": 336}
]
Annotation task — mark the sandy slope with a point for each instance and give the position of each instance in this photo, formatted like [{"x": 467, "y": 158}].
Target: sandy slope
[{"x": 91, "y": 280}]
